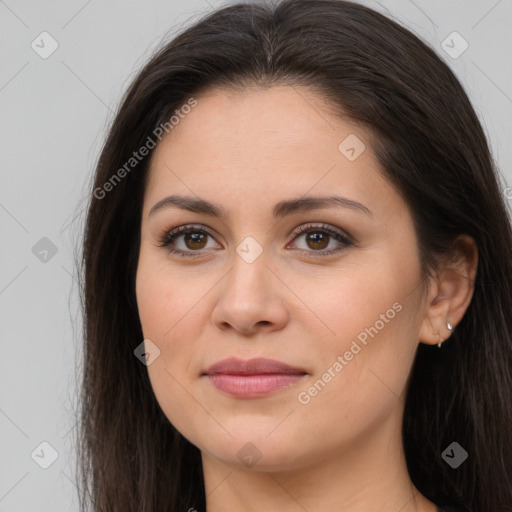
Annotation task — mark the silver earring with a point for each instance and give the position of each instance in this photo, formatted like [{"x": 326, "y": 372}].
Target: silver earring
[{"x": 450, "y": 327}]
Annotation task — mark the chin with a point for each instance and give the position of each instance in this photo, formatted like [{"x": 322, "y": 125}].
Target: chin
[{"x": 254, "y": 452}]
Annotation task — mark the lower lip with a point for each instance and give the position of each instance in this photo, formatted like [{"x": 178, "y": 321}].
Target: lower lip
[{"x": 253, "y": 386}]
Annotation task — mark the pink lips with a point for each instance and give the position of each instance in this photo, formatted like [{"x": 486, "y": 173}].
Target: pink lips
[{"x": 252, "y": 378}]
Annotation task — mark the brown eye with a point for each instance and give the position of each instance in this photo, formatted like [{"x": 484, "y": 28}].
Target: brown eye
[
  {"x": 192, "y": 240},
  {"x": 318, "y": 238},
  {"x": 195, "y": 240}
]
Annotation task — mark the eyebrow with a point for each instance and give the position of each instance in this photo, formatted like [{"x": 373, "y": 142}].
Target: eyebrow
[{"x": 280, "y": 210}]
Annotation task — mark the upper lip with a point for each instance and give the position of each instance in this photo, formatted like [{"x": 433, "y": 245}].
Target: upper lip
[{"x": 257, "y": 366}]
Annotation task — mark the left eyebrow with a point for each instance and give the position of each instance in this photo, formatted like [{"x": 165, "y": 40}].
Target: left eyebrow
[{"x": 280, "y": 210}]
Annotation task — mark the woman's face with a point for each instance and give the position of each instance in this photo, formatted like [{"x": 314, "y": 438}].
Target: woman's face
[{"x": 344, "y": 315}]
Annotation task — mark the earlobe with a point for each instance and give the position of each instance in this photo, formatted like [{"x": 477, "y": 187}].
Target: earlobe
[{"x": 451, "y": 292}]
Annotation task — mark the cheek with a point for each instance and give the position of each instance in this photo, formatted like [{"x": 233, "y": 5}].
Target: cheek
[
  {"x": 373, "y": 315},
  {"x": 154, "y": 304},
  {"x": 377, "y": 301},
  {"x": 162, "y": 296},
  {"x": 362, "y": 373},
  {"x": 169, "y": 319},
  {"x": 157, "y": 317}
]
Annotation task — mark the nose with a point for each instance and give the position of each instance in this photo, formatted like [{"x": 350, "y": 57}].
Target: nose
[{"x": 251, "y": 298}]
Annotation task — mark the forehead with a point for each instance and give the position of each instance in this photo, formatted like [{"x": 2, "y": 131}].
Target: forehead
[{"x": 246, "y": 146}]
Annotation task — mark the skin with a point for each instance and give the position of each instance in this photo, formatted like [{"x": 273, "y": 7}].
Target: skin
[{"x": 246, "y": 151}]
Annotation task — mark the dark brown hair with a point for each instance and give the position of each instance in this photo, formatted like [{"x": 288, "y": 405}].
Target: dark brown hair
[{"x": 432, "y": 148}]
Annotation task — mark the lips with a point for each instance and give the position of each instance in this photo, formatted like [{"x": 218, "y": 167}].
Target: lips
[
  {"x": 254, "y": 378},
  {"x": 258, "y": 366}
]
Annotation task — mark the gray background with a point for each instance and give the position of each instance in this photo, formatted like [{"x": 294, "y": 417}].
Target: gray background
[{"x": 54, "y": 114}]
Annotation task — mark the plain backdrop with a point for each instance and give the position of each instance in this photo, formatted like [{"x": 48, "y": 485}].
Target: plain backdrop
[{"x": 55, "y": 109}]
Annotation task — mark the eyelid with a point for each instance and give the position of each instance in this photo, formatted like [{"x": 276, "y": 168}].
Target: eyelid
[
  {"x": 321, "y": 226},
  {"x": 170, "y": 235},
  {"x": 344, "y": 239},
  {"x": 341, "y": 236}
]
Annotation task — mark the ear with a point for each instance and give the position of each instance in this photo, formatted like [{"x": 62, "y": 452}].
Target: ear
[{"x": 450, "y": 291}]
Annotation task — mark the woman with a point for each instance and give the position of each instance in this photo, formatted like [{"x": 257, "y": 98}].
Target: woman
[{"x": 297, "y": 283}]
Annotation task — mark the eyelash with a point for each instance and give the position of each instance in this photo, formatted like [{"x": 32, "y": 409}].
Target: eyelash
[{"x": 170, "y": 236}]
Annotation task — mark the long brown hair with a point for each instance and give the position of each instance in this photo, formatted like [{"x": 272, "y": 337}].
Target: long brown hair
[{"x": 432, "y": 147}]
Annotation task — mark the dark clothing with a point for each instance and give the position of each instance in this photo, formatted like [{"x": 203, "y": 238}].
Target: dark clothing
[{"x": 452, "y": 509}]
